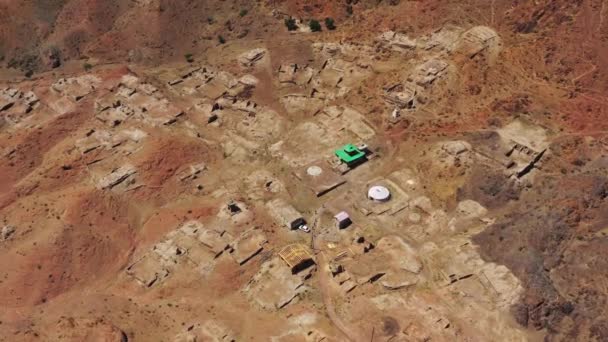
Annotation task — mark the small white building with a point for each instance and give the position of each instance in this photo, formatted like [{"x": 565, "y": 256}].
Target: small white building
[{"x": 342, "y": 220}]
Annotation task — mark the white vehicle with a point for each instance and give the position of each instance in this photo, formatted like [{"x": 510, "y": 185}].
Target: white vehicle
[{"x": 304, "y": 228}]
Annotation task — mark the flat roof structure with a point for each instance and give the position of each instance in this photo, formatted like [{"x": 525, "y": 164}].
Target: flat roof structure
[
  {"x": 285, "y": 214},
  {"x": 319, "y": 177},
  {"x": 350, "y": 154}
]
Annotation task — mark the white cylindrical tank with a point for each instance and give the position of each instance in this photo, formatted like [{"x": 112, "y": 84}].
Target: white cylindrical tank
[
  {"x": 314, "y": 171},
  {"x": 379, "y": 193}
]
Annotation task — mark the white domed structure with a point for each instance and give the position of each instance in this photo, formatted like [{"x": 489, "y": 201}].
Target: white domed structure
[{"x": 378, "y": 193}]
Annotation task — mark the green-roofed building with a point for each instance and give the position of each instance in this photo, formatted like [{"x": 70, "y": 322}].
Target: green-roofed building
[{"x": 350, "y": 154}]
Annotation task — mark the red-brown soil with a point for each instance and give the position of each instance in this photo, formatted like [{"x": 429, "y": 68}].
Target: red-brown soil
[{"x": 58, "y": 275}]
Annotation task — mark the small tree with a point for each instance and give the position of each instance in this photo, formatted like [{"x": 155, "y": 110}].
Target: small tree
[
  {"x": 314, "y": 26},
  {"x": 349, "y": 10},
  {"x": 329, "y": 24},
  {"x": 221, "y": 39},
  {"x": 87, "y": 66},
  {"x": 291, "y": 24},
  {"x": 189, "y": 58},
  {"x": 243, "y": 12}
]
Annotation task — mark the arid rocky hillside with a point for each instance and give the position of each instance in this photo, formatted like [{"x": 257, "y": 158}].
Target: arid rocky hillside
[{"x": 159, "y": 158}]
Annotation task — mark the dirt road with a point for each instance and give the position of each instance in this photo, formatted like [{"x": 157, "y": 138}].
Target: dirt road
[{"x": 349, "y": 333}]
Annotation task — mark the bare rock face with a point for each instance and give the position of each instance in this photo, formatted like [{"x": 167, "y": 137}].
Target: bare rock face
[
  {"x": 274, "y": 286},
  {"x": 84, "y": 329},
  {"x": 249, "y": 245},
  {"x": 478, "y": 39},
  {"x": 397, "y": 281},
  {"x": 208, "y": 331},
  {"x": 252, "y": 57},
  {"x": 7, "y": 232},
  {"x": 397, "y": 41},
  {"x": 403, "y": 254},
  {"x": 456, "y": 147},
  {"x": 468, "y": 214}
]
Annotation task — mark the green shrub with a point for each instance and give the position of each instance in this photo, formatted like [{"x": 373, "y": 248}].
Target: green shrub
[
  {"x": 243, "y": 12},
  {"x": 329, "y": 24},
  {"x": 87, "y": 66},
  {"x": 291, "y": 24},
  {"x": 221, "y": 39},
  {"x": 349, "y": 10},
  {"x": 189, "y": 58},
  {"x": 314, "y": 25}
]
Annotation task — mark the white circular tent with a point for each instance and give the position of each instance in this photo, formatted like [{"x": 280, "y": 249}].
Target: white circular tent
[{"x": 379, "y": 193}]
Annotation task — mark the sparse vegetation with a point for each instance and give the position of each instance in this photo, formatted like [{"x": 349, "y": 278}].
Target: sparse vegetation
[
  {"x": 54, "y": 55},
  {"x": 210, "y": 20},
  {"x": 314, "y": 25},
  {"x": 27, "y": 63},
  {"x": 12, "y": 63},
  {"x": 291, "y": 24},
  {"x": 329, "y": 24},
  {"x": 221, "y": 39},
  {"x": 87, "y": 66},
  {"x": 349, "y": 10},
  {"x": 189, "y": 58},
  {"x": 243, "y": 12}
]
